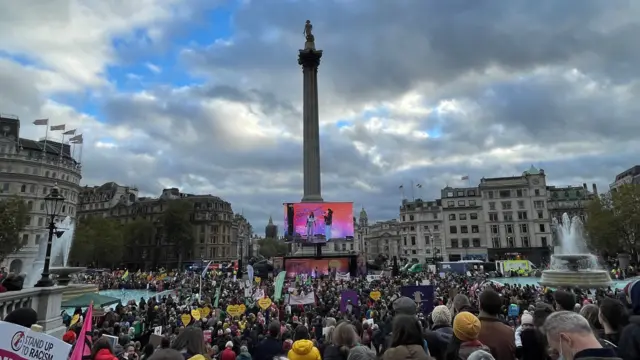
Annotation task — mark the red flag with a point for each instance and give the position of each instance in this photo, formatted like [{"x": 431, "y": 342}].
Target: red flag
[{"x": 82, "y": 349}]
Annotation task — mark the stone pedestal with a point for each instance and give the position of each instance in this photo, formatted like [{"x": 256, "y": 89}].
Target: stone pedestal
[
  {"x": 624, "y": 260},
  {"x": 309, "y": 59},
  {"x": 45, "y": 301}
]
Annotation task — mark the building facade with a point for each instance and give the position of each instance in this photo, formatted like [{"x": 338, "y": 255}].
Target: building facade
[
  {"x": 241, "y": 233},
  {"x": 381, "y": 238},
  {"x": 212, "y": 221},
  {"x": 629, "y": 176},
  {"x": 29, "y": 169},
  {"x": 99, "y": 200},
  {"x": 572, "y": 200},
  {"x": 421, "y": 232},
  {"x": 464, "y": 224},
  {"x": 518, "y": 224}
]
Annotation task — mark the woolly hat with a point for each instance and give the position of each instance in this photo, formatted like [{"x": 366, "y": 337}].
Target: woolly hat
[
  {"x": 480, "y": 355},
  {"x": 526, "y": 319},
  {"x": 466, "y": 326},
  {"x": 441, "y": 315},
  {"x": 405, "y": 306},
  {"x": 229, "y": 344}
]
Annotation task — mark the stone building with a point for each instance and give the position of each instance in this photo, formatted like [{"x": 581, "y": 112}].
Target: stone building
[
  {"x": 421, "y": 232},
  {"x": 572, "y": 200},
  {"x": 381, "y": 238},
  {"x": 271, "y": 230},
  {"x": 29, "y": 169},
  {"x": 464, "y": 225},
  {"x": 241, "y": 234},
  {"x": 99, "y": 200},
  {"x": 212, "y": 222},
  {"x": 629, "y": 176},
  {"x": 517, "y": 217}
]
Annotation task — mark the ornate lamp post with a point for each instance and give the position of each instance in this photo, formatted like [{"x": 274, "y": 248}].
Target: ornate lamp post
[{"x": 53, "y": 204}]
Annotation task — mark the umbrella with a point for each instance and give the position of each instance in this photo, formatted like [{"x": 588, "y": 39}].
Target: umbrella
[{"x": 86, "y": 299}]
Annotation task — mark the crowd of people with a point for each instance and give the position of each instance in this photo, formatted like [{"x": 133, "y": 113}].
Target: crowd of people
[{"x": 225, "y": 317}]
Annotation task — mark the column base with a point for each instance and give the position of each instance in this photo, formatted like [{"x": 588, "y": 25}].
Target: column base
[{"x": 312, "y": 198}]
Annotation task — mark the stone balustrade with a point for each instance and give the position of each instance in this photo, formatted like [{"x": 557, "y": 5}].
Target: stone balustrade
[{"x": 45, "y": 301}]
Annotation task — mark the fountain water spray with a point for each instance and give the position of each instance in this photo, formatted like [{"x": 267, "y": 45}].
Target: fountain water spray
[{"x": 60, "y": 250}]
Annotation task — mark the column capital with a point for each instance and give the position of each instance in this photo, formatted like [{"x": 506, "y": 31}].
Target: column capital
[{"x": 309, "y": 58}]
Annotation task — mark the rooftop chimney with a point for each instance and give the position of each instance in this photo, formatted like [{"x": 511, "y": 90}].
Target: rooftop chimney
[
  {"x": 595, "y": 190},
  {"x": 584, "y": 186}
]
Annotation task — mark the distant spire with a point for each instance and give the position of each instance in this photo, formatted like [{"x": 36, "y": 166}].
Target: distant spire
[{"x": 270, "y": 220}]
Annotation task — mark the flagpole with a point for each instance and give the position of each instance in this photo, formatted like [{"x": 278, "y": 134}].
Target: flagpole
[
  {"x": 401, "y": 192},
  {"x": 413, "y": 198},
  {"x": 61, "y": 147}
]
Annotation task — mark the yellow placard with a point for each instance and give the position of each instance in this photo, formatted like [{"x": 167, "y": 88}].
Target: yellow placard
[
  {"x": 264, "y": 303},
  {"x": 236, "y": 310},
  {"x": 205, "y": 311},
  {"x": 257, "y": 279},
  {"x": 74, "y": 319},
  {"x": 375, "y": 295},
  {"x": 186, "y": 319},
  {"x": 195, "y": 313}
]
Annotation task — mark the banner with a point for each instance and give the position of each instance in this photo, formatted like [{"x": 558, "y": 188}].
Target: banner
[
  {"x": 84, "y": 344},
  {"x": 346, "y": 276},
  {"x": 422, "y": 294},
  {"x": 250, "y": 274},
  {"x": 259, "y": 294},
  {"x": 277, "y": 294},
  {"x": 309, "y": 298},
  {"x": 371, "y": 278},
  {"x": 217, "y": 300},
  {"x": 19, "y": 342},
  {"x": 345, "y": 296}
]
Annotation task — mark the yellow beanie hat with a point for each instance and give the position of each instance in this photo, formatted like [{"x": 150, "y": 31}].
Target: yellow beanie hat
[{"x": 466, "y": 326}]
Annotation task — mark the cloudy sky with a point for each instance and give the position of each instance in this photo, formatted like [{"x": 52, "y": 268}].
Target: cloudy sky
[{"x": 205, "y": 95}]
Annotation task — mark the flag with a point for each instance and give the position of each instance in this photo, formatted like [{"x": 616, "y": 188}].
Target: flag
[
  {"x": 82, "y": 349},
  {"x": 69, "y": 132},
  {"x": 58, "y": 127},
  {"x": 76, "y": 139},
  {"x": 401, "y": 187},
  {"x": 466, "y": 177},
  {"x": 41, "y": 122},
  {"x": 126, "y": 275},
  {"x": 419, "y": 186}
]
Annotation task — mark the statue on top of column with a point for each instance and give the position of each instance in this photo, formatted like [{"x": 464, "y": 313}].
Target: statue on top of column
[{"x": 310, "y": 43}]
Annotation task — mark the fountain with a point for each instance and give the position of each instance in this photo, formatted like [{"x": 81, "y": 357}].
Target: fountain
[
  {"x": 571, "y": 264},
  {"x": 59, "y": 256}
]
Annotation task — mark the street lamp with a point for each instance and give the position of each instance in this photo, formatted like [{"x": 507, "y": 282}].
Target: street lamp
[{"x": 53, "y": 204}]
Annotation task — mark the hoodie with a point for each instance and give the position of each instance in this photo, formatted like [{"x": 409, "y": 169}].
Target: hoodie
[
  {"x": 629, "y": 345},
  {"x": 303, "y": 350}
]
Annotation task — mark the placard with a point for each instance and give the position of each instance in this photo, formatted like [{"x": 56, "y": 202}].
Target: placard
[{"x": 19, "y": 342}]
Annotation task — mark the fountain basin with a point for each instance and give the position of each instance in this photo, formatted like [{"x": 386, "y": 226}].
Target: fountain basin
[
  {"x": 63, "y": 274},
  {"x": 584, "y": 279}
]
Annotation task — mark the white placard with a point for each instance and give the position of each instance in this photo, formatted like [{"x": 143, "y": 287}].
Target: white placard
[
  {"x": 157, "y": 330},
  {"x": 19, "y": 342}
]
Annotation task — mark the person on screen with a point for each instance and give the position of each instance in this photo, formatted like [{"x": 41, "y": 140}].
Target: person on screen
[
  {"x": 311, "y": 223},
  {"x": 328, "y": 219}
]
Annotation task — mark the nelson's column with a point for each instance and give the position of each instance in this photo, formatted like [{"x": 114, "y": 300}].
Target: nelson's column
[{"x": 309, "y": 58}]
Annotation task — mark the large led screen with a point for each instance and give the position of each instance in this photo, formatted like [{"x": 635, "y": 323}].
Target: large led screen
[
  {"x": 316, "y": 267},
  {"x": 316, "y": 223}
]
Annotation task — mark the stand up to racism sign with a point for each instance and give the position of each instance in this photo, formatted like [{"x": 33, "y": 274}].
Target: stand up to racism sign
[{"x": 20, "y": 343}]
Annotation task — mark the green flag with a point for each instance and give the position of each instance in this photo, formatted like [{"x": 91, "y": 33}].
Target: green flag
[
  {"x": 215, "y": 304},
  {"x": 277, "y": 294}
]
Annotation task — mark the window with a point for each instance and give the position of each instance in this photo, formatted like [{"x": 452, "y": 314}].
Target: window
[
  {"x": 465, "y": 243},
  {"x": 476, "y": 242},
  {"x": 520, "y": 204},
  {"x": 427, "y": 240},
  {"x": 538, "y": 204},
  {"x": 454, "y": 243},
  {"x": 435, "y": 227},
  {"x": 542, "y": 229},
  {"x": 23, "y": 188},
  {"x": 426, "y": 227},
  {"x": 490, "y": 194},
  {"x": 536, "y": 192},
  {"x": 25, "y": 239},
  {"x": 463, "y": 216},
  {"x": 471, "y": 193},
  {"x": 413, "y": 240},
  {"x": 403, "y": 218},
  {"x": 508, "y": 216},
  {"x": 40, "y": 221},
  {"x": 544, "y": 241},
  {"x": 44, "y": 190},
  {"x": 405, "y": 241},
  {"x": 472, "y": 203},
  {"x": 5, "y": 187},
  {"x": 435, "y": 215},
  {"x": 475, "y": 229},
  {"x": 524, "y": 229},
  {"x": 450, "y": 194},
  {"x": 464, "y": 229},
  {"x": 495, "y": 229},
  {"x": 460, "y": 193},
  {"x": 495, "y": 241},
  {"x": 451, "y": 203},
  {"x": 41, "y": 205},
  {"x": 412, "y": 228},
  {"x": 522, "y": 215},
  {"x": 519, "y": 193},
  {"x": 411, "y": 217},
  {"x": 505, "y": 193},
  {"x": 540, "y": 214},
  {"x": 32, "y": 189},
  {"x": 46, "y": 173},
  {"x": 452, "y": 216},
  {"x": 29, "y": 205},
  {"x": 37, "y": 239},
  {"x": 506, "y": 205},
  {"x": 509, "y": 228},
  {"x": 460, "y": 202},
  {"x": 473, "y": 216},
  {"x": 492, "y": 205},
  {"x": 511, "y": 242},
  {"x": 453, "y": 229},
  {"x": 525, "y": 241}
]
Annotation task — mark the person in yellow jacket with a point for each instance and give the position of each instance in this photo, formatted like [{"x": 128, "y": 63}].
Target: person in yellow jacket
[{"x": 303, "y": 348}]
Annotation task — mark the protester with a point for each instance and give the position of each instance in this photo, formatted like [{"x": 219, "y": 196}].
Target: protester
[
  {"x": 572, "y": 336},
  {"x": 407, "y": 341}
]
